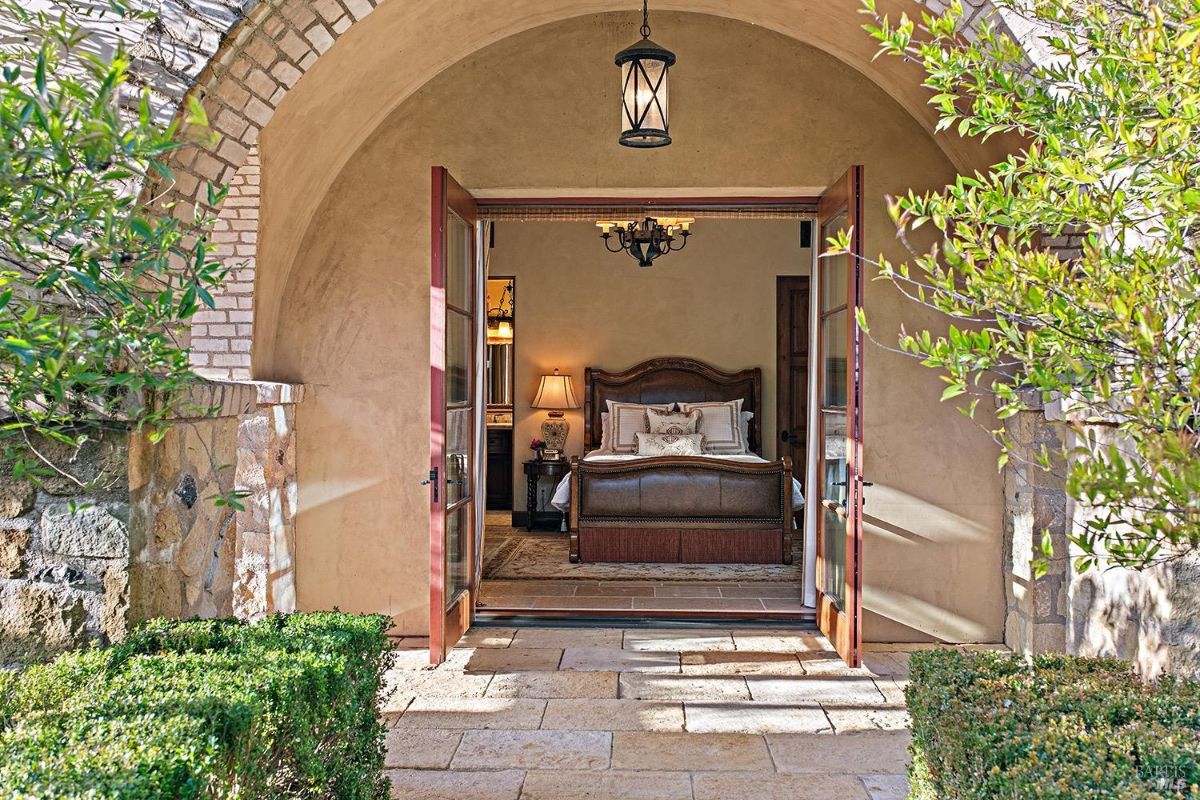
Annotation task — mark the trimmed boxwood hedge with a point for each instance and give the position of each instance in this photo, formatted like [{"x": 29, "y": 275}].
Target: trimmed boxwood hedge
[
  {"x": 285, "y": 707},
  {"x": 988, "y": 725}
]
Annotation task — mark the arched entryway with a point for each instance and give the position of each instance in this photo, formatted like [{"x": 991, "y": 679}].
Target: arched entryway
[{"x": 780, "y": 99}]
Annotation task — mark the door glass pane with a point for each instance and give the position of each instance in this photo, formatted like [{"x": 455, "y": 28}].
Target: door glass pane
[
  {"x": 459, "y": 267},
  {"x": 833, "y": 268},
  {"x": 833, "y": 360},
  {"x": 458, "y": 528},
  {"x": 459, "y": 427},
  {"x": 835, "y": 495},
  {"x": 458, "y": 358}
]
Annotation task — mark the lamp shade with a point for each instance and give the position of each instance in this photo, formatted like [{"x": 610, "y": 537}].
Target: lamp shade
[{"x": 556, "y": 392}]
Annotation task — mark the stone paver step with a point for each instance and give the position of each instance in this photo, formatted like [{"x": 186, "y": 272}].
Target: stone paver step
[{"x": 646, "y": 714}]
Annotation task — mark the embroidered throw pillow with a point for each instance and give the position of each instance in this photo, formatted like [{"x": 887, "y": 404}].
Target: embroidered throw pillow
[
  {"x": 672, "y": 421},
  {"x": 721, "y": 424},
  {"x": 625, "y": 421},
  {"x": 670, "y": 444}
]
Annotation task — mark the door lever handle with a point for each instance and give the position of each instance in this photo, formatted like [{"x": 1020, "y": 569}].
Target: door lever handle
[
  {"x": 432, "y": 480},
  {"x": 784, "y": 436}
]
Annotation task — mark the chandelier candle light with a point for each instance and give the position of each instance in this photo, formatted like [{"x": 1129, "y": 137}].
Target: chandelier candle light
[
  {"x": 648, "y": 239},
  {"x": 556, "y": 393},
  {"x": 644, "y": 85}
]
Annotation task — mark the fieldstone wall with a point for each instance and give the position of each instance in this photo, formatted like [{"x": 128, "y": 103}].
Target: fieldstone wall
[
  {"x": 1149, "y": 617},
  {"x": 150, "y": 540},
  {"x": 182, "y": 543},
  {"x": 1034, "y": 502},
  {"x": 266, "y": 470},
  {"x": 64, "y": 566}
]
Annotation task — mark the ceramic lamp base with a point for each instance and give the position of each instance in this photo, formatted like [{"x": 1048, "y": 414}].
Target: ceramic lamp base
[{"x": 554, "y": 433}]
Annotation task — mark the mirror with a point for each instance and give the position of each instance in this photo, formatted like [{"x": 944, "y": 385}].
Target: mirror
[{"x": 501, "y": 334}]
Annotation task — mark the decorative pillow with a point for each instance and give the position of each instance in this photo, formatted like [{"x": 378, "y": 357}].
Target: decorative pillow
[
  {"x": 625, "y": 421},
  {"x": 672, "y": 421},
  {"x": 605, "y": 433},
  {"x": 721, "y": 424},
  {"x": 670, "y": 444}
]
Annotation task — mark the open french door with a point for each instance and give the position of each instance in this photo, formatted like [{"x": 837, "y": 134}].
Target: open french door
[
  {"x": 454, "y": 414},
  {"x": 840, "y": 430}
]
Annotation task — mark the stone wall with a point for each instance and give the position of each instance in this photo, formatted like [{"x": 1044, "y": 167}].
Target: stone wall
[
  {"x": 79, "y": 567},
  {"x": 266, "y": 574},
  {"x": 64, "y": 566},
  {"x": 182, "y": 543},
  {"x": 1148, "y": 617}
]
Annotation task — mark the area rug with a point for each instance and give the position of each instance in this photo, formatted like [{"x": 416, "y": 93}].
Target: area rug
[{"x": 514, "y": 554}]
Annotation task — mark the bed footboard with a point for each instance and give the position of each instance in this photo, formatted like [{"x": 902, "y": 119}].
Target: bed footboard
[{"x": 681, "y": 509}]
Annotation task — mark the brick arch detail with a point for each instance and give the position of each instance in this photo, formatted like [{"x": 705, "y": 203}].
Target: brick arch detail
[{"x": 267, "y": 47}]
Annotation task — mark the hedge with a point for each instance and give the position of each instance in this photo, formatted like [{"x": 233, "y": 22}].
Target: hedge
[
  {"x": 285, "y": 707},
  {"x": 989, "y": 726}
]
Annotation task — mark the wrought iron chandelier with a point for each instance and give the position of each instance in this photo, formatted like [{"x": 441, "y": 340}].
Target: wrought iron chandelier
[
  {"x": 500, "y": 318},
  {"x": 644, "y": 85},
  {"x": 647, "y": 239}
]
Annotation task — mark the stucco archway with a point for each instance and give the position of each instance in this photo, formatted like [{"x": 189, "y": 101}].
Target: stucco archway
[
  {"x": 299, "y": 58},
  {"x": 319, "y": 122}
]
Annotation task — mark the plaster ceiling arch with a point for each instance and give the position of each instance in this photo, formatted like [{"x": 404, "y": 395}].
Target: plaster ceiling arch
[{"x": 336, "y": 69}]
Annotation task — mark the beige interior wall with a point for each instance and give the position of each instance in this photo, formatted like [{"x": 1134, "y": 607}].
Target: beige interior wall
[
  {"x": 582, "y": 306},
  {"x": 539, "y": 110}
]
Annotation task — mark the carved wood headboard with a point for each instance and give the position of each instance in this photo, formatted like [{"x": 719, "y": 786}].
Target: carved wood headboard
[{"x": 666, "y": 380}]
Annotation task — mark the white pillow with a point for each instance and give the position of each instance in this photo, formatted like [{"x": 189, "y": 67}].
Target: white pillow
[
  {"x": 721, "y": 424},
  {"x": 669, "y": 444},
  {"x": 744, "y": 427},
  {"x": 674, "y": 422},
  {"x": 625, "y": 421}
]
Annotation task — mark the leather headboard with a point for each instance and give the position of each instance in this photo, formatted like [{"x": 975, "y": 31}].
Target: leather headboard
[{"x": 666, "y": 380}]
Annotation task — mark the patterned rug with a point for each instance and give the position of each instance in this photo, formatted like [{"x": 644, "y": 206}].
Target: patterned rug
[{"x": 514, "y": 554}]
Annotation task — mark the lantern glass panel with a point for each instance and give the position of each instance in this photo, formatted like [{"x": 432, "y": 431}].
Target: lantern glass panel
[{"x": 645, "y": 83}]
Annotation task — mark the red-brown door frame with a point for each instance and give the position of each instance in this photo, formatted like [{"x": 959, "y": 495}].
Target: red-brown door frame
[{"x": 791, "y": 204}]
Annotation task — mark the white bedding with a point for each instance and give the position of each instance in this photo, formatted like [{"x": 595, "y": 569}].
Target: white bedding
[{"x": 562, "y": 493}]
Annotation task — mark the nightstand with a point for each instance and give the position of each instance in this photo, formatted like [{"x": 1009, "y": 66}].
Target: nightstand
[{"x": 534, "y": 472}]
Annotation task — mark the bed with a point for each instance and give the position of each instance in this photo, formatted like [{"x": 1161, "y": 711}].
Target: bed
[{"x": 678, "y": 509}]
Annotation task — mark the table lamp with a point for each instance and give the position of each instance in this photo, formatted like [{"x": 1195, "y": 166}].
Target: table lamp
[{"x": 555, "y": 393}]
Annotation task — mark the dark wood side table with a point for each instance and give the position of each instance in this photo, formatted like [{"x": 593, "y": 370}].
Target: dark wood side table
[{"x": 534, "y": 472}]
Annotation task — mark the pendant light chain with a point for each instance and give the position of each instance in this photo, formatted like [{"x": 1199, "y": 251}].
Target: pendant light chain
[{"x": 645, "y": 29}]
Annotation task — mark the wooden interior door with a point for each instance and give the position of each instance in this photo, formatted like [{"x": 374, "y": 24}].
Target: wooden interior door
[
  {"x": 791, "y": 375},
  {"x": 455, "y": 414},
  {"x": 840, "y": 432}
]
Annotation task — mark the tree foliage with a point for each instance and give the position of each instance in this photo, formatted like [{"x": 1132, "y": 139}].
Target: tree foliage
[
  {"x": 95, "y": 282},
  {"x": 1106, "y": 102}
]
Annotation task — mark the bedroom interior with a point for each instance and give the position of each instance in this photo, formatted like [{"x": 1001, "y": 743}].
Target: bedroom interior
[{"x": 670, "y": 535}]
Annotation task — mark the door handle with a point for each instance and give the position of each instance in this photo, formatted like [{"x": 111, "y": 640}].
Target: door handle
[
  {"x": 785, "y": 436},
  {"x": 432, "y": 480}
]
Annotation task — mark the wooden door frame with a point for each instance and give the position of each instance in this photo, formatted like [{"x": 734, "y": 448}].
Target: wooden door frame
[
  {"x": 844, "y": 625},
  {"x": 492, "y": 209}
]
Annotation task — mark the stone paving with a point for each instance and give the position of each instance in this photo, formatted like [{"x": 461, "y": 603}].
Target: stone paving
[{"x": 646, "y": 714}]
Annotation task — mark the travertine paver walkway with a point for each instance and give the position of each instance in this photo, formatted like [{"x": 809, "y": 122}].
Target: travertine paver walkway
[{"x": 662, "y": 714}]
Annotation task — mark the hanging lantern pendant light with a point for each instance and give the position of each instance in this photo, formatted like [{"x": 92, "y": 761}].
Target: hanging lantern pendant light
[{"x": 644, "y": 95}]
